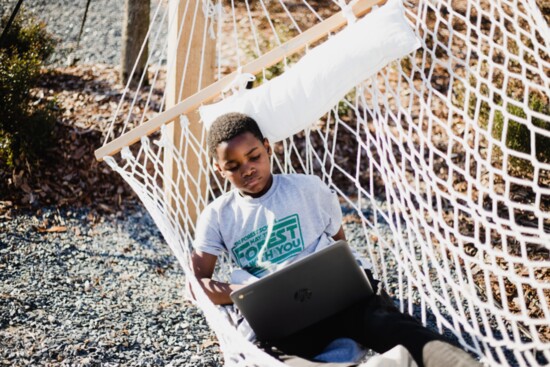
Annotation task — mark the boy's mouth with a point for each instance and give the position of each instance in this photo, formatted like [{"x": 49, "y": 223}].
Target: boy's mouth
[{"x": 252, "y": 181}]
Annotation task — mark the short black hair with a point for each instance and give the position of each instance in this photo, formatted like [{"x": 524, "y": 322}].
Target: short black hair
[{"x": 228, "y": 126}]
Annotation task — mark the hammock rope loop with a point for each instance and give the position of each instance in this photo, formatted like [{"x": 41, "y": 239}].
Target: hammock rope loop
[
  {"x": 126, "y": 154},
  {"x": 212, "y": 12},
  {"x": 164, "y": 139},
  {"x": 238, "y": 85},
  {"x": 347, "y": 11}
]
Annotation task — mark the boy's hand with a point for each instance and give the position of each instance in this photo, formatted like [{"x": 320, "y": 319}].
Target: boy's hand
[{"x": 203, "y": 265}]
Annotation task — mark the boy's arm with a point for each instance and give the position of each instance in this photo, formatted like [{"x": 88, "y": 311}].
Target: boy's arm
[{"x": 203, "y": 267}]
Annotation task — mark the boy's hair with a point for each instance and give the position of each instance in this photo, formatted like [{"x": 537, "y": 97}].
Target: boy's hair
[{"x": 228, "y": 126}]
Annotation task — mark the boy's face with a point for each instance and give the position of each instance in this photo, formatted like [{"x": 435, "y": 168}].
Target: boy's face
[{"x": 244, "y": 161}]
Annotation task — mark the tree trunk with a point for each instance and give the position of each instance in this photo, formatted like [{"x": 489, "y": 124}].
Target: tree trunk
[{"x": 134, "y": 31}]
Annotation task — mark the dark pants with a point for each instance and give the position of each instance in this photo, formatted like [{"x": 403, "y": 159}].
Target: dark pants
[{"x": 374, "y": 323}]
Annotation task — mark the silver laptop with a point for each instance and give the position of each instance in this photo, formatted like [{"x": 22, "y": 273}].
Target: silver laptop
[{"x": 302, "y": 293}]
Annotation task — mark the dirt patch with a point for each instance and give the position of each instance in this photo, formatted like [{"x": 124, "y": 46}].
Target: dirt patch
[{"x": 69, "y": 175}]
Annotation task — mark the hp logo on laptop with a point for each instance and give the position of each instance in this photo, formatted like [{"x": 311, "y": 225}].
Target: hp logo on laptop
[{"x": 302, "y": 295}]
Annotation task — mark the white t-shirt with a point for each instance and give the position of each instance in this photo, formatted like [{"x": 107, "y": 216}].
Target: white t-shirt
[{"x": 298, "y": 215}]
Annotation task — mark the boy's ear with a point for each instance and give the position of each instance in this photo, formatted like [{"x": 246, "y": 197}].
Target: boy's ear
[
  {"x": 218, "y": 168},
  {"x": 267, "y": 146}
]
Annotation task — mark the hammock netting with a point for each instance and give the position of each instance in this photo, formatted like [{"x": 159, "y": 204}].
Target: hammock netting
[{"x": 441, "y": 159}]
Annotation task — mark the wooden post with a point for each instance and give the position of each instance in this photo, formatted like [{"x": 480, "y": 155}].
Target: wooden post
[
  {"x": 134, "y": 32},
  {"x": 186, "y": 56}
]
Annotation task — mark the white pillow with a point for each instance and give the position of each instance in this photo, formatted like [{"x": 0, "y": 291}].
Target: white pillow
[{"x": 296, "y": 99}]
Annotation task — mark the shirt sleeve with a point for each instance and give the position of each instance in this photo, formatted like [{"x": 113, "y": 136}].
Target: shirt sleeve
[
  {"x": 330, "y": 207},
  {"x": 207, "y": 233}
]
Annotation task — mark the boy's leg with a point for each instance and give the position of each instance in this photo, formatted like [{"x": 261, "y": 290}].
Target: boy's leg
[
  {"x": 306, "y": 343},
  {"x": 375, "y": 323},
  {"x": 298, "y": 352},
  {"x": 379, "y": 325}
]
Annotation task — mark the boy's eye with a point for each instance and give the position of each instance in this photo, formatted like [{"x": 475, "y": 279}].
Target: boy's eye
[
  {"x": 232, "y": 168},
  {"x": 255, "y": 158}
]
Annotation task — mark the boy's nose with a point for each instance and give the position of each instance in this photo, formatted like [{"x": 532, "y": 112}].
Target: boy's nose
[{"x": 247, "y": 170}]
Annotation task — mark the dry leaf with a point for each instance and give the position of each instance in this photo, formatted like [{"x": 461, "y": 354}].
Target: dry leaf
[
  {"x": 54, "y": 229},
  {"x": 26, "y": 188},
  {"x": 106, "y": 208},
  {"x": 79, "y": 153}
]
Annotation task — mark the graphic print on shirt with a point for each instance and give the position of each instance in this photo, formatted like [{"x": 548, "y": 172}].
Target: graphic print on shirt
[{"x": 285, "y": 241}]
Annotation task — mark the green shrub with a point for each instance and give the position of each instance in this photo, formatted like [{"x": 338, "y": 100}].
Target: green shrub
[
  {"x": 517, "y": 136},
  {"x": 26, "y": 128}
]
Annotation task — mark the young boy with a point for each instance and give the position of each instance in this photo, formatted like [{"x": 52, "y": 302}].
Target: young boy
[{"x": 301, "y": 215}]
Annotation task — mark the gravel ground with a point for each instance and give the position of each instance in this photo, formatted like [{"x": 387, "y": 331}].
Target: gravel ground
[
  {"x": 101, "y": 37},
  {"x": 95, "y": 290}
]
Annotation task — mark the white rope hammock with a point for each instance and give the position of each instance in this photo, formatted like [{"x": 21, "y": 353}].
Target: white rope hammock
[{"x": 441, "y": 159}]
